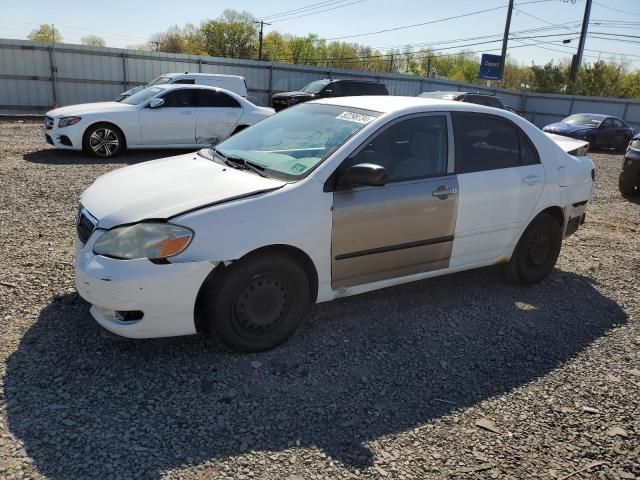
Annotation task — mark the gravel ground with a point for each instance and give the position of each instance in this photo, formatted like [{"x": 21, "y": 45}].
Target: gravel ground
[{"x": 463, "y": 376}]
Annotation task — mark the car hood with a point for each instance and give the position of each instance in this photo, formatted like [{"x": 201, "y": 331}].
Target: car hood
[
  {"x": 89, "y": 108},
  {"x": 164, "y": 188},
  {"x": 293, "y": 94},
  {"x": 561, "y": 127}
]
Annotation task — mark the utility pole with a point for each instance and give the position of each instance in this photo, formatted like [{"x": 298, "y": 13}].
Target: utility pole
[
  {"x": 428, "y": 66},
  {"x": 391, "y": 63},
  {"x": 577, "y": 59},
  {"x": 505, "y": 39},
  {"x": 262, "y": 24}
]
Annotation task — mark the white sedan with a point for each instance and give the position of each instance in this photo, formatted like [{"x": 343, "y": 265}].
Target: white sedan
[
  {"x": 162, "y": 116},
  {"x": 324, "y": 200}
]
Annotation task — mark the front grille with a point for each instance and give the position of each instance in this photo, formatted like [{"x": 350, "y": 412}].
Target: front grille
[
  {"x": 48, "y": 122},
  {"x": 84, "y": 226}
]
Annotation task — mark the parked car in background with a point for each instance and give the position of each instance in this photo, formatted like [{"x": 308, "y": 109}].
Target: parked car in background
[
  {"x": 601, "y": 131},
  {"x": 327, "y": 88},
  {"x": 629, "y": 182},
  {"x": 233, "y": 83},
  {"x": 469, "y": 97},
  {"x": 162, "y": 116},
  {"x": 324, "y": 200}
]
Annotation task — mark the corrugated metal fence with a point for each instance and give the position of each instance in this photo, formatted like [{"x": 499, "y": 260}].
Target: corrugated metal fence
[{"x": 35, "y": 76}]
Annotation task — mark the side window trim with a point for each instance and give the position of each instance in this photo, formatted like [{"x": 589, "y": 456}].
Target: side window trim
[{"x": 356, "y": 151}]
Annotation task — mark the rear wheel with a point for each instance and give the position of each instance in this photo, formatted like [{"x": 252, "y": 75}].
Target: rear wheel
[
  {"x": 103, "y": 140},
  {"x": 537, "y": 251},
  {"x": 627, "y": 187},
  {"x": 259, "y": 302}
]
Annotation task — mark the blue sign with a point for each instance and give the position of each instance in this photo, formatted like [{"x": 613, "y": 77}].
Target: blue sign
[{"x": 490, "y": 66}]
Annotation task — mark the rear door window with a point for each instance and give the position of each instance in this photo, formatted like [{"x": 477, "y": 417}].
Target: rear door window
[
  {"x": 212, "y": 98},
  {"x": 186, "y": 81},
  {"x": 485, "y": 142}
]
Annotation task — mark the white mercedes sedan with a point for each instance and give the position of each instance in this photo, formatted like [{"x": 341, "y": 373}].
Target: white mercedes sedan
[
  {"x": 327, "y": 199},
  {"x": 162, "y": 116}
]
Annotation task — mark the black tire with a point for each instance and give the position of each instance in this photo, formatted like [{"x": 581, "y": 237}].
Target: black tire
[
  {"x": 623, "y": 146},
  {"x": 103, "y": 140},
  {"x": 591, "y": 139},
  {"x": 258, "y": 303},
  {"x": 627, "y": 188},
  {"x": 537, "y": 251}
]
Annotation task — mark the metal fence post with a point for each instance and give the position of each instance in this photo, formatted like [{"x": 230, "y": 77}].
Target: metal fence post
[
  {"x": 125, "y": 76},
  {"x": 523, "y": 104},
  {"x": 624, "y": 113},
  {"x": 199, "y": 65},
  {"x": 573, "y": 100},
  {"x": 270, "y": 82},
  {"x": 54, "y": 72}
]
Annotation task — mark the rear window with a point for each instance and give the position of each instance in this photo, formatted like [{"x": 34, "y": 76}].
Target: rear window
[{"x": 485, "y": 142}]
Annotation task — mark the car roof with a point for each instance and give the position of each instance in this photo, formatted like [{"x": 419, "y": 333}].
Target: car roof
[
  {"x": 196, "y": 74},
  {"x": 597, "y": 116},
  {"x": 389, "y": 103}
]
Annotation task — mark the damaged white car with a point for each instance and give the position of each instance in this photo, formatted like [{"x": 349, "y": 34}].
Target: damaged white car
[
  {"x": 161, "y": 116},
  {"x": 326, "y": 199}
]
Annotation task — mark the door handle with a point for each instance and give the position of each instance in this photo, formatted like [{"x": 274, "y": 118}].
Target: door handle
[
  {"x": 531, "y": 180},
  {"x": 443, "y": 192}
]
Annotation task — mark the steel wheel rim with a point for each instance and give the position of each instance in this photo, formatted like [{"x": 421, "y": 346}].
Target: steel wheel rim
[
  {"x": 538, "y": 250},
  {"x": 104, "y": 142},
  {"x": 261, "y": 305}
]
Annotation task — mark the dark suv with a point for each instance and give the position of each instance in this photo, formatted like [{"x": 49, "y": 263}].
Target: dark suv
[
  {"x": 629, "y": 182},
  {"x": 470, "y": 97},
  {"x": 327, "y": 88}
]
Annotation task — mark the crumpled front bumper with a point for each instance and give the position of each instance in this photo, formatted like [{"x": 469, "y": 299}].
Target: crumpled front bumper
[{"x": 164, "y": 293}]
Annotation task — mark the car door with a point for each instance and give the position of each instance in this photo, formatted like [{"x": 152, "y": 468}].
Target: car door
[
  {"x": 500, "y": 181},
  {"x": 172, "y": 123},
  {"x": 217, "y": 115},
  {"x": 407, "y": 225},
  {"x": 622, "y": 133},
  {"x": 606, "y": 133}
]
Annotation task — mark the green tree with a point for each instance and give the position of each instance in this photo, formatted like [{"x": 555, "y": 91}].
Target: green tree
[
  {"x": 93, "y": 40},
  {"x": 549, "y": 78},
  {"x": 45, "y": 33},
  {"x": 602, "y": 79},
  {"x": 233, "y": 34}
]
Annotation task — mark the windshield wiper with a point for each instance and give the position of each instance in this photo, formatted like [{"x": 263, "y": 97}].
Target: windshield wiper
[{"x": 240, "y": 163}]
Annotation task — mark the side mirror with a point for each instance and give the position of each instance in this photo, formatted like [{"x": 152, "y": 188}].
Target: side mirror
[
  {"x": 368, "y": 174},
  {"x": 327, "y": 92},
  {"x": 156, "y": 102}
]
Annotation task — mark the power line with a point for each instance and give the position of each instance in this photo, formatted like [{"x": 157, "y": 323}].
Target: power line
[
  {"x": 318, "y": 11},
  {"x": 307, "y": 7},
  {"x": 616, "y": 9},
  {"x": 468, "y": 14}
]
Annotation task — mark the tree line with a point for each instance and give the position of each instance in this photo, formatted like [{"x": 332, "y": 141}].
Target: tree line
[{"x": 235, "y": 34}]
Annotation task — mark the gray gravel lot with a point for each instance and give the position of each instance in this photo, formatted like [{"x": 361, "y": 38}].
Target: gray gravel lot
[{"x": 464, "y": 376}]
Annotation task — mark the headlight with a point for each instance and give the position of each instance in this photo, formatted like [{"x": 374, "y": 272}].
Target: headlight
[
  {"x": 67, "y": 121},
  {"x": 144, "y": 240}
]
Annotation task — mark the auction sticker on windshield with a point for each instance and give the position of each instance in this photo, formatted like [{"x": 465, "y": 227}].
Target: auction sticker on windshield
[{"x": 355, "y": 117}]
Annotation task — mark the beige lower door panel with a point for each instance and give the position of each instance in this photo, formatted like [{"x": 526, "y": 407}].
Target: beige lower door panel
[{"x": 392, "y": 231}]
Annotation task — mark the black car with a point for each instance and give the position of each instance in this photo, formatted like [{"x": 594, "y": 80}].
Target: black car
[
  {"x": 630, "y": 176},
  {"x": 327, "y": 88},
  {"x": 599, "y": 130},
  {"x": 469, "y": 97}
]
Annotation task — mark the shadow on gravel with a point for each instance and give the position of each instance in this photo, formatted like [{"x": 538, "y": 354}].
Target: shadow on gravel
[
  {"x": 362, "y": 367},
  {"x": 53, "y": 156}
]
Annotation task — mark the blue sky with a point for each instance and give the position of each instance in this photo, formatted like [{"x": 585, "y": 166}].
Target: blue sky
[{"x": 122, "y": 23}]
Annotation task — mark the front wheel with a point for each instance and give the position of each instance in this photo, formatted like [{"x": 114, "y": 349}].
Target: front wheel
[
  {"x": 103, "y": 140},
  {"x": 259, "y": 302},
  {"x": 537, "y": 251}
]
